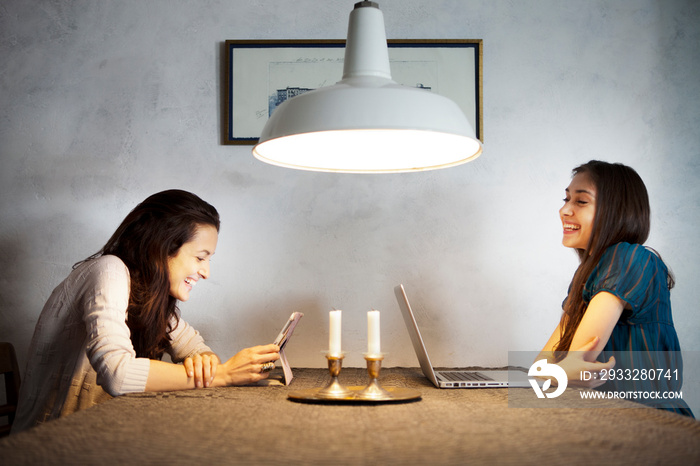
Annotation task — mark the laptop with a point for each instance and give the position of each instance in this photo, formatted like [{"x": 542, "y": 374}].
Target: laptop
[{"x": 453, "y": 379}]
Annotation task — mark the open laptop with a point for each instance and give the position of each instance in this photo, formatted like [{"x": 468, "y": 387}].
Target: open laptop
[{"x": 453, "y": 379}]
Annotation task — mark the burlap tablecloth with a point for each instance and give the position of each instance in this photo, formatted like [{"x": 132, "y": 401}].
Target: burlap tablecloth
[{"x": 260, "y": 425}]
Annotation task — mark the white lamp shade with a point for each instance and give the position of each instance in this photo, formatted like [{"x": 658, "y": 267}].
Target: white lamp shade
[{"x": 367, "y": 123}]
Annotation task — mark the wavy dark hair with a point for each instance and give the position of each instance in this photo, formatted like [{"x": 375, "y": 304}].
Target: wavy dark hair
[
  {"x": 152, "y": 233},
  {"x": 622, "y": 215}
]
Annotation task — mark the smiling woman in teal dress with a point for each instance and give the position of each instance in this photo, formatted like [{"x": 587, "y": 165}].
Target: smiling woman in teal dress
[{"x": 616, "y": 332}]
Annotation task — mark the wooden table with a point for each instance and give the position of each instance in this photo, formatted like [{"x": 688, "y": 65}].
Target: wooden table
[{"x": 260, "y": 425}]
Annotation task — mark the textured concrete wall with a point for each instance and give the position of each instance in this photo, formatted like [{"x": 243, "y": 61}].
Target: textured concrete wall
[{"x": 105, "y": 102}]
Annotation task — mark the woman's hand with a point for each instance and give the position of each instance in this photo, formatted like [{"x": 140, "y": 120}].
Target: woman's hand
[
  {"x": 202, "y": 367},
  {"x": 583, "y": 360},
  {"x": 247, "y": 365}
]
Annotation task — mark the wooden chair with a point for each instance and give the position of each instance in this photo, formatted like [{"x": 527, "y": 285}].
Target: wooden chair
[{"x": 10, "y": 369}]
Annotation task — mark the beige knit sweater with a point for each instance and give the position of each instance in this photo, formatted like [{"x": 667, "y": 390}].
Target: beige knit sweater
[{"x": 81, "y": 352}]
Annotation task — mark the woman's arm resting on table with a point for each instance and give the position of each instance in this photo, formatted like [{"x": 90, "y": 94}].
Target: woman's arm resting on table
[
  {"x": 244, "y": 367},
  {"x": 202, "y": 367},
  {"x": 590, "y": 338},
  {"x": 600, "y": 318},
  {"x": 580, "y": 360}
]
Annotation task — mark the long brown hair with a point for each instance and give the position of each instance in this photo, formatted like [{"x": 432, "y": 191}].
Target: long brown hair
[
  {"x": 622, "y": 215},
  {"x": 153, "y": 232}
]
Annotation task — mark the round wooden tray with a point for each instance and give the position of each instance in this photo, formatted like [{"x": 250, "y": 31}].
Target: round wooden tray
[{"x": 396, "y": 395}]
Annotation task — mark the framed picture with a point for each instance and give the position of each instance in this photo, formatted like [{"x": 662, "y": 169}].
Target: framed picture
[{"x": 261, "y": 74}]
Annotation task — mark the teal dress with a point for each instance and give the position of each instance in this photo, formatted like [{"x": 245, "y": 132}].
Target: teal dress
[{"x": 649, "y": 366}]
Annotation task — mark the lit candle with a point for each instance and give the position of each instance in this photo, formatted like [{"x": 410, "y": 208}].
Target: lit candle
[
  {"x": 334, "y": 334},
  {"x": 373, "y": 333}
]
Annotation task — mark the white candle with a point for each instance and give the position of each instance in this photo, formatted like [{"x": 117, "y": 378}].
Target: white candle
[
  {"x": 334, "y": 334},
  {"x": 373, "y": 333}
]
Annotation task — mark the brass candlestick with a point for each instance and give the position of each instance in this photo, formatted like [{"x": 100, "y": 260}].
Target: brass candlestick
[
  {"x": 334, "y": 389},
  {"x": 374, "y": 391}
]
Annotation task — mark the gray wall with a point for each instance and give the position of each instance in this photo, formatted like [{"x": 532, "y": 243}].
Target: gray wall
[{"x": 105, "y": 102}]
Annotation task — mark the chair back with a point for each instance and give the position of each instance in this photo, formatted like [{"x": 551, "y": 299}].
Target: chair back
[{"x": 10, "y": 370}]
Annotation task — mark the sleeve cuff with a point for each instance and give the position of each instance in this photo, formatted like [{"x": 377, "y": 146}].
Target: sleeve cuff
[{"x": 136, "y": 376}]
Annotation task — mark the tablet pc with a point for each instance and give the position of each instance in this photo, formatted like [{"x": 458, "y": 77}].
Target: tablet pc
[
  {"x": 286, "y": 332},
  {"x": 281, "y": 341}
]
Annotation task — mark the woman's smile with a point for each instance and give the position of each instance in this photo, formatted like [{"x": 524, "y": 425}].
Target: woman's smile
[
  {"x": 192, "y": 262},
  {"x": 578, "y": 212}
]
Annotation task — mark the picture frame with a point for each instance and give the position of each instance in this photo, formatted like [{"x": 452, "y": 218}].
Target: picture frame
[{"x": 260, "y": 74}]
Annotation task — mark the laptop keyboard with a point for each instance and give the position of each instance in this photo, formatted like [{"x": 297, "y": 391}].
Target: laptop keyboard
[{"x": 464, "y": 376}]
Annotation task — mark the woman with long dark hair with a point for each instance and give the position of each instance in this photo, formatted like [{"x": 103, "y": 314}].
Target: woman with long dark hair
[
  {"x": 105, "y": 328},
  {"x": 617, "y": 315}
]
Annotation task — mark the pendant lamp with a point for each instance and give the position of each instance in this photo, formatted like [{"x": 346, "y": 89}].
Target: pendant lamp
[{"x": 367, "y": 123}]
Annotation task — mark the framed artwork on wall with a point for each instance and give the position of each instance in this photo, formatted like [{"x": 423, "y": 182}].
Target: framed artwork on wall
[{"x": 261, "y": 74}]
